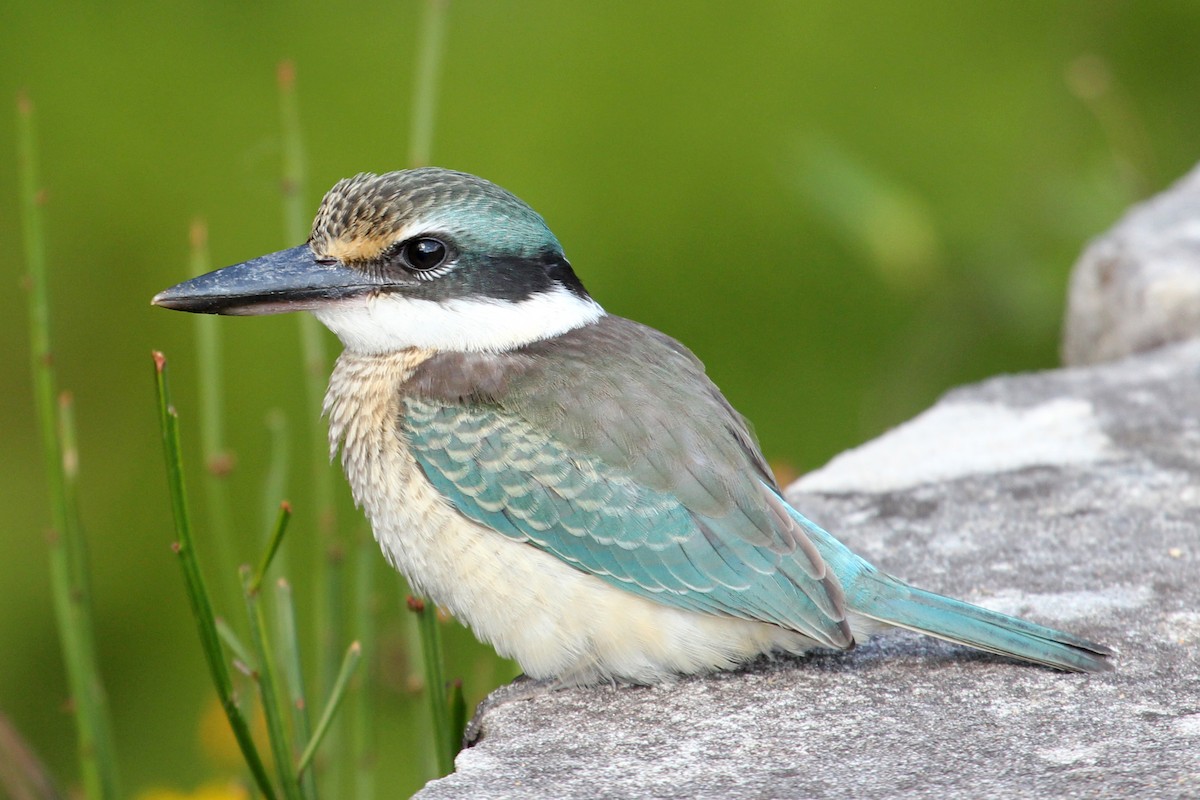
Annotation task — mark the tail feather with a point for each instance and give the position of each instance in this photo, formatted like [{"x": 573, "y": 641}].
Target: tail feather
[
  {"x": 879, "y": 596},
  {"x": 896, "y": 603}
]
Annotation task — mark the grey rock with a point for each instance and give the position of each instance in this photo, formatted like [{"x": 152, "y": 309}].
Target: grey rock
[
  {"x": 1071, "y": 497},
  {"x": 1137, "y": 287}
]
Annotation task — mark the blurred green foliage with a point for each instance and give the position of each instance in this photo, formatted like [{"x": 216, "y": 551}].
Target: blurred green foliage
[{"x": 844, "y": 209}]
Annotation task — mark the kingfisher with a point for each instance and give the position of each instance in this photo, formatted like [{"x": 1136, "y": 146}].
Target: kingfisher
[{"x": 568, "y": 483}]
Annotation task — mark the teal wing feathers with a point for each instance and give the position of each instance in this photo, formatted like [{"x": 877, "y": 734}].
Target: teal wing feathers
[
  {"x": 609, "y": 448},
  {"x": 502, "y": 471}
]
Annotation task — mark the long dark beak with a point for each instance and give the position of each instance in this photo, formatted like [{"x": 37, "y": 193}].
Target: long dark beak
[{"x": 290, "y": 280}]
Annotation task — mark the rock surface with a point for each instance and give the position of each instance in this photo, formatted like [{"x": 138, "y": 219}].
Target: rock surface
[
  {"x": 1138, "y": 286},
  {"x": 1071, "y": 497}
]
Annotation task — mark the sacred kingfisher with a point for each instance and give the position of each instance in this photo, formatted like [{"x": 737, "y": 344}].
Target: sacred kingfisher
[{"x": 567, "y": 482}]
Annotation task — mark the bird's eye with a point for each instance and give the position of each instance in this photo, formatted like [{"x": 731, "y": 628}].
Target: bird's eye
[{"x": 424, "y": 253}]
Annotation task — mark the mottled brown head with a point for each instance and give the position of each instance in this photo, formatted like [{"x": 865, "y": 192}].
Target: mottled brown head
[
  {"x": 361, "y": 217},
  {"x": 421, "y": 258}
]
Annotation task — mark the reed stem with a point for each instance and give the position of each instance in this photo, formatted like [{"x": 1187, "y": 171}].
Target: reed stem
[
  {"x": 197, "y": 590},
  {"x": 218, "y": 460},
  {"x": 268, "y": 691},
  {"x": 69, "y": 574},
  {"x": 331, "y": 547},
  {"x": 434, "y": 666},
  {"x": 433, "y": 35}
]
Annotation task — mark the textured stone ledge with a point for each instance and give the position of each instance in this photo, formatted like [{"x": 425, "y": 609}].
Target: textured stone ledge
[{"x": 1074, "y": 500}]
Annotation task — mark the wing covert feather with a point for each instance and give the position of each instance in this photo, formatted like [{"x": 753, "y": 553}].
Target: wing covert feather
[{"x": 501, "y": 471}]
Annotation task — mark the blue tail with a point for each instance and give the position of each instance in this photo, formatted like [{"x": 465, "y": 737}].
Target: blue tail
[{"x": 881, "y": 597}]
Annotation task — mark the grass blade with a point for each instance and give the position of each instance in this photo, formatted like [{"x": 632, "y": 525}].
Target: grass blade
[
  {"x": 433, "y": 34},
  {"x": 296, "y": 220},
  {"x": 68, "y": 551},
  {"x": 435, "y": 682},
  {"x": 268, "y": 690},
  {"x": 458, "y": 714},
  {"x": 235, "y": 645},
  {"x": 349, "y": 662},
  {"x": 276, "y": 481},
  {"x": 293, "y": 675},
  {"x": 281, "y": 523},
  {"x": 218, "y": 460},
  {"x": 363, "y": 745},
  {"x": 197, "y": 591}
]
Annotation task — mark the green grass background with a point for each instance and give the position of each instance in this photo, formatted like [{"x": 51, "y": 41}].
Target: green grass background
[{"x": 844, "y": 209}]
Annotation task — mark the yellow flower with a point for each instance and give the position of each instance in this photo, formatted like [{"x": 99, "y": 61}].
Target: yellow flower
[{"x": 209, "y": 791}]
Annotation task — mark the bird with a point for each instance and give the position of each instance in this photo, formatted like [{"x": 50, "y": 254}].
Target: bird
[{"x": 567, "y": 482}]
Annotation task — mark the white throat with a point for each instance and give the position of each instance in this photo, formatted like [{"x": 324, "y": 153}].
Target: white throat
[{"x": 390, "y": 322}]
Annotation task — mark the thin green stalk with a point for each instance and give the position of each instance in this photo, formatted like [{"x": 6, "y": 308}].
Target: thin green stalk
[
  {"x": 458, "y": 714},
  {"x": 275, "y": 484},
  {"x": 435, "y": 683},
  {"x": 331, "y": 634},
  {"x": 296, "y": 219},
  {"x": 294, "y": 176},
  {"x": 80, "y": 582},
  {"x": 363, "y": 744},
  {"x": 281, "y": 524},
  {"x": 208, "y": 354},
  {"x": 197, "y": 591},
  {"x": 235, "y": 645},
  {"x": 349, "y": 662},
  {"x": 414, "y": 673},
  {"x": 433, "y": 35},
  {"x": 218, "y": 460},
  {"x": 268, "y": 690},
  {"x": 269, "y": 687},
  {"x": 68, "y": 551},
  {"x": 293, "y": 675}
]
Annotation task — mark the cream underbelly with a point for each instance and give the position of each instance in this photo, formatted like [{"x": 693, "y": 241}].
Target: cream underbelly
[{"x": 555, "y": 620}]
